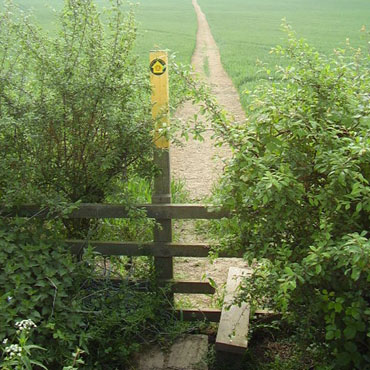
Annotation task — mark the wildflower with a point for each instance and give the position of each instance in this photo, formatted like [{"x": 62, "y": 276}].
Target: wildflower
[
  {"x": 13, "y": 350},
  {"x": 25, "y": 325},
  {"x": 5, "y": 341}
]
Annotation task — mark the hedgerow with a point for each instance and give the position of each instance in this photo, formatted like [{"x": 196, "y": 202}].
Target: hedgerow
[
  {"x": 75, "y": 126},
  {"x": 299, "y": 186},
  {"x": 75, "y": 111}
]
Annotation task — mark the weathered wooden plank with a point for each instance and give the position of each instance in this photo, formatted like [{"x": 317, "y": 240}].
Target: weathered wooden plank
[
  {"x": 176, "y": 286},
  {"x": 209, "y": 314},
  {"x": 92, "y": 210},
  {"x": 191, "y": 287},
  {"x": 184, "y": 211},
  {"x": 156, "y": 249},
  {"x": 188, "y": 287},
  {"x": 234, "y": 322},
  {"x": 163, "y": 234}
]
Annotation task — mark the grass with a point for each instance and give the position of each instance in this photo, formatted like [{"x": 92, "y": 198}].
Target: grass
[
  {"x": 162, "y": 24},
  {"x": 246, "y": 30}
]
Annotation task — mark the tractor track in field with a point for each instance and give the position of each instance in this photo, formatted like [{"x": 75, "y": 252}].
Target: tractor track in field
[{"x": 200, "y": 164}]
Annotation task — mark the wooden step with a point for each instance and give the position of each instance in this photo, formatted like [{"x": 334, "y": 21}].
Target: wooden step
[{"x": 234, "y": 322}]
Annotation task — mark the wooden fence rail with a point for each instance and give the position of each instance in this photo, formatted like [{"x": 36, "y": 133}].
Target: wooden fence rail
[
  {"x": 155, "y": 249},
  {"x": 161, "y": 209},
  {"x": 92, "y": 210}
]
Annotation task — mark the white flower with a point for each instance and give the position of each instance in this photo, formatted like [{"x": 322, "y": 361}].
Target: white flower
[
  {"x": 5, "y": 341},
  {"x": 25, "y": 325},
  {"x": 13, "y": 350}
]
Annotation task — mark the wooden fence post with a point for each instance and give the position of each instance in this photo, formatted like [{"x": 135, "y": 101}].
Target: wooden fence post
[{"x": 162, "y": 182}]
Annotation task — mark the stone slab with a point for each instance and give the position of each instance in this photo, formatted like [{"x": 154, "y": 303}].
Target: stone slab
[{"x": 187, "y": 353}]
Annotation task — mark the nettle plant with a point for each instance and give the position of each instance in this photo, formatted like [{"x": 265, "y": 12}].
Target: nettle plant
[
  {"x": 40, "y": 280},
  {"x": 299, "y": 184}
]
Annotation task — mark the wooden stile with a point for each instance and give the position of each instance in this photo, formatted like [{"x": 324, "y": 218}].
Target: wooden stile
[{"x": 234, "y": 322}]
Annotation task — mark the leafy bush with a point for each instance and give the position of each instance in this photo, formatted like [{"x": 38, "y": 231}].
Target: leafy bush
[
  {"x": 74, "y": 109},
  {"x": 75, "y": 126},
  {"x": 298, "y": 183}
]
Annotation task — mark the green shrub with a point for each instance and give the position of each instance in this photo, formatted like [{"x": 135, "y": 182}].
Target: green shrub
[
  {"x": 75, "y": 109},
  {"x": 75, "y": 126},
  {"x": 298, "y": 183},
  {"x": 122, "y": 319}
]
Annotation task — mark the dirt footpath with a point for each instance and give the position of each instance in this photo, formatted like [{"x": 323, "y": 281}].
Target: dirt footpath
[{"x": 200, "y": 164}]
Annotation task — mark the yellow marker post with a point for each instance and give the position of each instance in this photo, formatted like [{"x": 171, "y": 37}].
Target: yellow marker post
[
  {"x": 160, "y": 95},
  {"x": 162, "y": 182}
]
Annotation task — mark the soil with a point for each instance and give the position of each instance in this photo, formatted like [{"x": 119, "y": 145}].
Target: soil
[{"x": 200, "y": 164}]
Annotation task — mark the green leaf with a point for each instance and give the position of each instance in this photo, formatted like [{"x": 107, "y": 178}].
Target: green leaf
[
  {"x": 358, "y": 207},
  {"x": 330, "y": 335},
  {"x": 355, "y": 274},
  {"x": 338, "y": 307},
  {"x": 39, "y": 364},
  {"x": 289, "y": 271},
  {"x": 212, "y": 283},
  {"x": 350, "y": 332}
]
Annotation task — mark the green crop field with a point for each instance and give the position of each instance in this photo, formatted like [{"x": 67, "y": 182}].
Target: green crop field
[
  {"x": 166, "y": 24},
  {"x": 247, "y": 29}
]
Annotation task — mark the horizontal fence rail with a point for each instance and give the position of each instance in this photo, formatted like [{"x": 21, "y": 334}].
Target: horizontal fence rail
[
  {"x": 175, "y": 286},
  {"x": 212, "y": 315},
  {"x": 155, "y": 249},
  {"x": 92, "y": 210}
]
